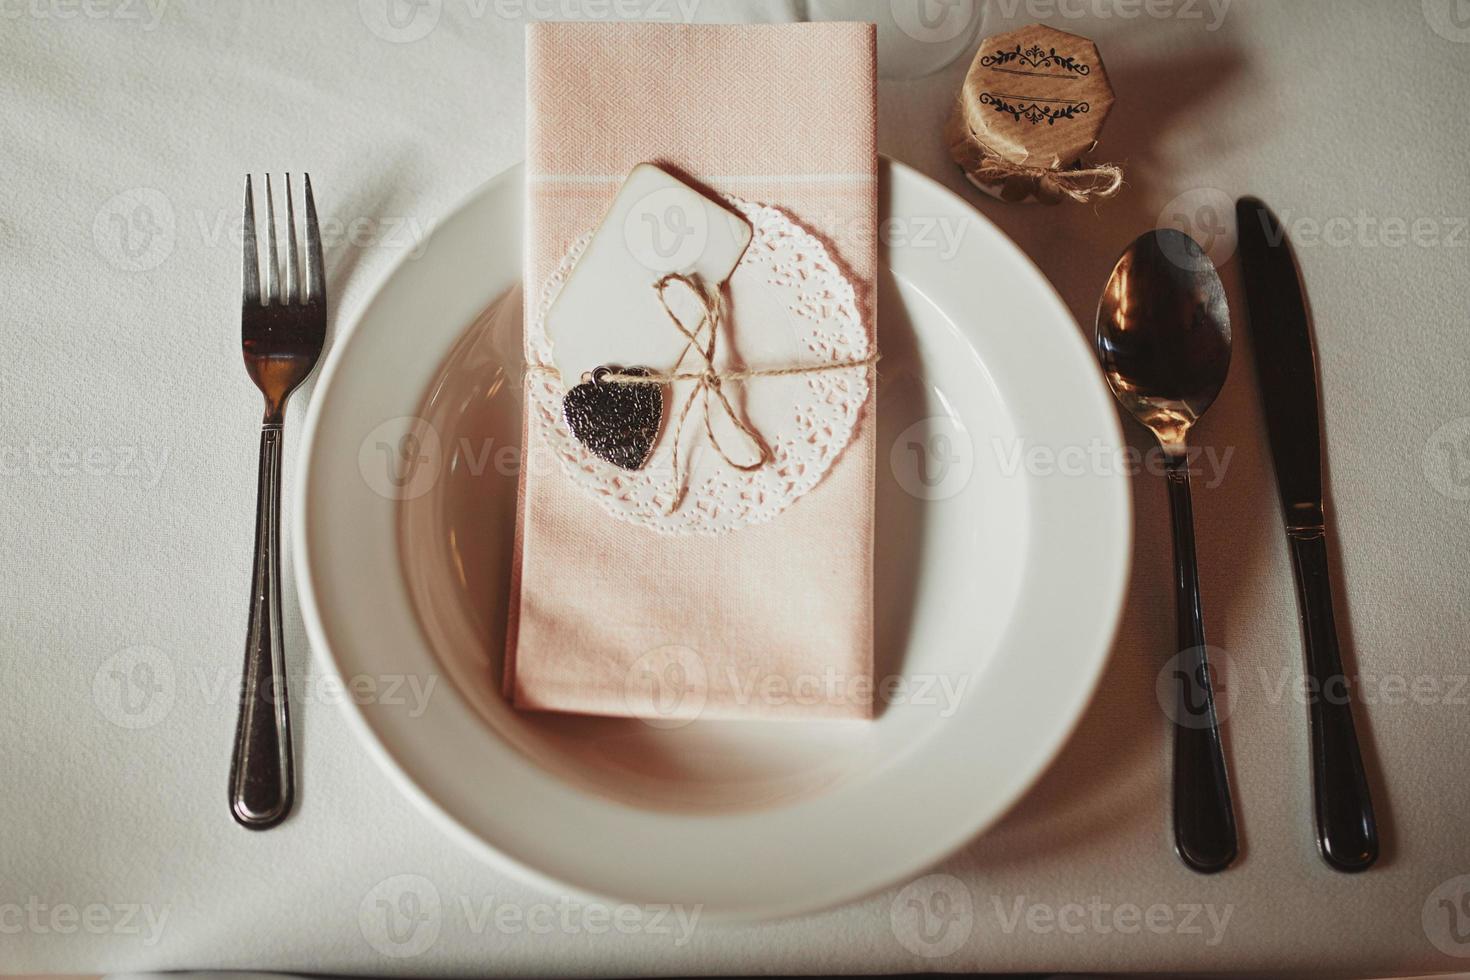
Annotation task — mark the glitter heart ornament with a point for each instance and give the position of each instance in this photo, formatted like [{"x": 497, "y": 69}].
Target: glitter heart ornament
[{"x": 618, "y": 421}]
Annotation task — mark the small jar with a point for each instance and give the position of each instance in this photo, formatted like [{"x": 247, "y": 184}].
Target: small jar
[{"x": 1033, "y": 102}]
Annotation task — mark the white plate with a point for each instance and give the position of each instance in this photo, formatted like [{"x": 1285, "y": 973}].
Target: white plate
[{"x": 1000, "y": 582}]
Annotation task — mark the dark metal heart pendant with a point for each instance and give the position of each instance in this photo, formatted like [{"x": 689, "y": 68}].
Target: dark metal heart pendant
[{"x": 616, "y": 420}]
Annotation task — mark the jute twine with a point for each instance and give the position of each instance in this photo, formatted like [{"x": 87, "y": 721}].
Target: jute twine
[
  {"x": 1018, "y": 180},
  {"x": 700, "y": 340}
]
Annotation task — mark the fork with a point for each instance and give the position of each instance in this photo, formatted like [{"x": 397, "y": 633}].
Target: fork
[{"x": 282, "y": 336}]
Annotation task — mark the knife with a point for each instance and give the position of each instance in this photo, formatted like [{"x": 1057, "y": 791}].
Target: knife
[{"x": 1286, "y": 368}]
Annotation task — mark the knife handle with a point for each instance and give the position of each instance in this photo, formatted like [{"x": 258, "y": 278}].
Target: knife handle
[
  {"x": 1346, "y": 830},
  {"x": 1204, "y": 819}
]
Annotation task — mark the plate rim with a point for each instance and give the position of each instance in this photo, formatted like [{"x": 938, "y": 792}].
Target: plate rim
[{"x": 306, "y": 571}]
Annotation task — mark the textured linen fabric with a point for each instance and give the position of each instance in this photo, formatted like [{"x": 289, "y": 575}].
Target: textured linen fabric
[
  {"x": 1326, "y": 110},
  {"x": 788, "y": 603}
]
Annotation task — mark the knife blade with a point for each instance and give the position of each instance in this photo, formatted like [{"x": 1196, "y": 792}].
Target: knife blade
[
  {"x": 1286, "y": 363},
  {"x": 1286, "y": 367}
]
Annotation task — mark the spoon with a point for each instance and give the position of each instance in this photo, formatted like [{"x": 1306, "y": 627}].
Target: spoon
[{"x": 1163, "y": 336}]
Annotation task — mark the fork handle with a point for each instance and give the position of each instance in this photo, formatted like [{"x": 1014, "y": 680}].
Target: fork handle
[{"x": 261, "y": 779}]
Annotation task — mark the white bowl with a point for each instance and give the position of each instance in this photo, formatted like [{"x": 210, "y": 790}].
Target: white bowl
[{"x": 1000, "y": 578}]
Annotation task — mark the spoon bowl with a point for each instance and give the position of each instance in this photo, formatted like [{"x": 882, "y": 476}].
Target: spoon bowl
[{"x": 1163, "y": 333}]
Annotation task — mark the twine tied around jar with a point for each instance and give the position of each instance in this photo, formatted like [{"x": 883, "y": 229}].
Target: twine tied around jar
[{"x": 1081, "y": 183}]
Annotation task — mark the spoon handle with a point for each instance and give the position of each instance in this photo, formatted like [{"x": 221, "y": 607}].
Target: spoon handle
[{"x": 1204, "y": 821}]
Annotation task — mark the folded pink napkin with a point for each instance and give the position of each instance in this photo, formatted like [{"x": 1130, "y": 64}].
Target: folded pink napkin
[{"x": 770, "y": 620}]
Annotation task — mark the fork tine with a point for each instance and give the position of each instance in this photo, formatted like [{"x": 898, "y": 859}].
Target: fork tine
[
  {"x": 293, "y": 255},
  {"x": 273, "y": 266},
  {"x": 252, "y": 260},
  {"x": 316, "y": 277}
]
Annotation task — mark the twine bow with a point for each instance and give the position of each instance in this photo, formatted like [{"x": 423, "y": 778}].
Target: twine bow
[
  {"x": 1081, "y": 184},
  {"x": 700, "y": 340},
  {"x": 1049, "y": 184}
]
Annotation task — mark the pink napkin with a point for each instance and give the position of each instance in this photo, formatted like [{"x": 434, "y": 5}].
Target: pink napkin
[{"x": 771, "y": 620}]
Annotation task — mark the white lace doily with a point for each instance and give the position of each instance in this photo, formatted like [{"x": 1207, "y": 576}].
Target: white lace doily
[{"x": 787, "y": 281}]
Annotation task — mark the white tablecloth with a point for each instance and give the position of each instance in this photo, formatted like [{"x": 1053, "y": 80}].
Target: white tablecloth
[{"x": 127, "y": 462}]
